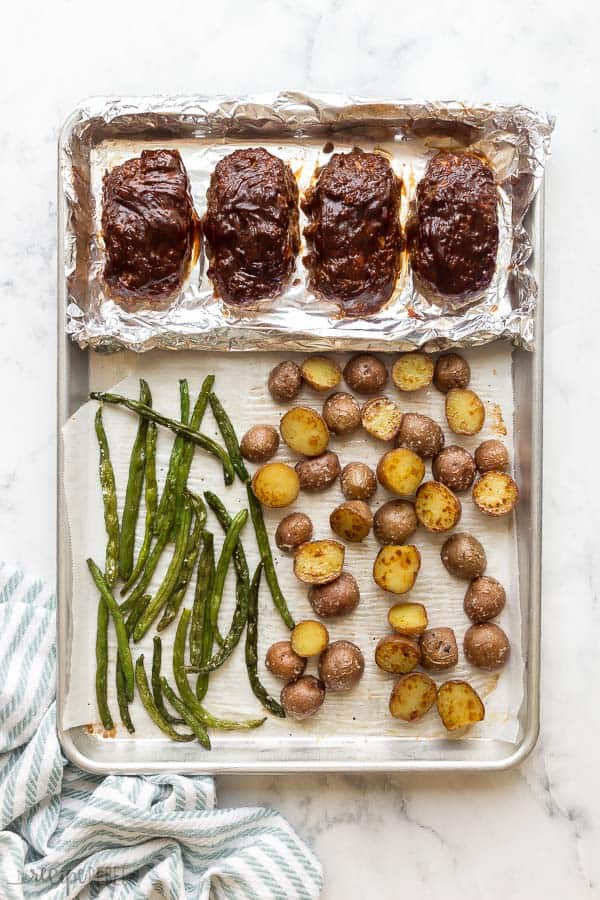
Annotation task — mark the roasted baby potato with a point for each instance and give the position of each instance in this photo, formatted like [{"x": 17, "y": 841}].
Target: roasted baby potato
[
  {"x": 319, "y": 562},
  {"x": 459, "y": 705},
  {"x": 259, "y": 443},
  {"x": 341, "y": 666},
  {"x": 485, "y": 599},
  {"x": 491, "y": 456},
  {"x": 412, "y": 371},
  {"x": 283, "y": 662},
  {"x": 321, "y": 373},
  {"x": 486, "y": 646},
  {"x": 285, "y": 381},
  {"x": 495, "y": 494},
  {"x": 365, "y": 374},
  {"x": 396, "y": 568},
  {"x": 455, "y": 467},
  {"x": 463, "y": 556},
  {"x": 335, "y": 598},
  {"x": 420, "y": 434},
  {"x": 319, "y": 472},
  {"x": 438, "y": 648},
  {"x": 412, "y": 696},
  {"x": 309, "y": 638},
  {"x": 358, "y": 481},
  {"x": 341, "y": 413},
  {"x": 408, "y": 618},
  {"x": 381, "y": 418},
  {"x": 397, "y": 653},
  {"x": 304, "y": 431},
  {"x": 293, "y": 531},
  {"x": 436, "y": 507},
  {"x": 276, "y": 485},
  {"x": 451, "y": 371},
  {"x": 302, "y": 698},
  {"x": 400, "y": 471},
  {"x": 395, "y": 521},
  {"x": 465, "y": 413},
  {"x": 351, "y": 520}
]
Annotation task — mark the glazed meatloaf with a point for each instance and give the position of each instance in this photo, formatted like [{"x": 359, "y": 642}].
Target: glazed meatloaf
[
  {"x": 354, "y": 231},
  {"x": 149, "y": 225},
  {"x": 453, "y": 233},
  {"x": 251, "y": 225}
]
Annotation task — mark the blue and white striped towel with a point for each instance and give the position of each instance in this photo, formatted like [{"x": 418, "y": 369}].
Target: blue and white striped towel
[{"x": 65, "y": 834}]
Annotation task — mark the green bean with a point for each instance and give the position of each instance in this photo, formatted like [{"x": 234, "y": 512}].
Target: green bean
[
  {"x": 265, "y": 552},
  {"x": 186, "y": 693},
  {"x": 231, "y": 539},
  {"x": 102, "y": 665},
  {"x": 133, "y": 493},
  {"x": 189, "y": 561},
  {"x": 201, "y": 634},
  {"x": 156, "y": 686},
  {"x": 109, "y": 497},
  {"x": 146, "y": 697},
  {"x": 169, "y": 582},
  {"x": 189, "y": 718},
  {"x": 238, "y": 622},
  {"x": 187, "y": 456},
  {"x": 136, "y": 612},
  {"x": 224, "y": 520},
  {"x": 151, "y": 496},
  {"x": 196, "y": 437},
  {"x": 122, "y": 699},
  {"x": 117, "y": 617},
  {"x": 165, "y": 508},
  {"x": 229, "y": 437},
  {"x": 258, "y": 688}
]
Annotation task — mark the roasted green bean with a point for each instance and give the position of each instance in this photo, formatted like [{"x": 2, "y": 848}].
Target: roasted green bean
[
  {"x": 102, "y": 665},
  {"x": 201, "y": 635},
  {"x": 150, "y": 496},
  {"x": 189, "y": 561},
  {"x": 133, "y": 493},
  {"x": 232, "y": 638},
  {"x": 187, "y": 456},
  {"x": 119, "y": 623},
  {"x": 258, "y": 689},
  {"x": 188, "y": 717},
  {"x": 156, "y": 686},
  {"x": 122, "y": 699},
  {"x": 224, "y": 520},
  {"x": 109, "y": 498},
  {"x": 146, "y": 697},
  {"x": 265, "y": 552},
  {"x": 165, "y": 507},
  {"x": 231, "y": 539},
  {"x": 229, "y": 437}
]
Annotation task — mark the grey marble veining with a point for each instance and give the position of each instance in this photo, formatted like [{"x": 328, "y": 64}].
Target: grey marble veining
[{"x": 530, "y": 833}]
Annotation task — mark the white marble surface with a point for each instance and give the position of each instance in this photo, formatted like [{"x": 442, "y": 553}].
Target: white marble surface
[{"x": 530, "y": 833}]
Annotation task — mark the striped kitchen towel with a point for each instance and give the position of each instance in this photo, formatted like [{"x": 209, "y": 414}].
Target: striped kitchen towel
[{"x": 66, "y": 834}]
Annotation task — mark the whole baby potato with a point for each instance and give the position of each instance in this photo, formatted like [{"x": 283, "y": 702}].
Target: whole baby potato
[
  {"x": 283, "y": 662},
  {"x": 285, "y": 381},
  {"x": 293, "y": 530},
  {"x": 303, "y": 698},
  {"x": 491, "y": 456},
  {"x": 336, "y": 598},
  {"x": 485, "y": 599},
  {"x": 318, "y": 472},
  {"x": 420, "y": 434},
  {"x": 463, "y": 555},
  {"x": 486, "y": 646},
  {"x": 451, "y": 371},
  {"x": 438, "y": 648},
  {"x": 260, "y": 443},
  {"x": 358, "y": 481},
  {"x": 395, "y": 521},
  {"x": 365, "y": 374},
  {"x": 341, "y": 413},
  {"x": 341, "y": 666},
  {"x": 455, "y": 467}
]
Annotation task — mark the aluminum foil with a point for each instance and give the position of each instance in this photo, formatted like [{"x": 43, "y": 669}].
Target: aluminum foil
[{"x": 103, "y": 132}]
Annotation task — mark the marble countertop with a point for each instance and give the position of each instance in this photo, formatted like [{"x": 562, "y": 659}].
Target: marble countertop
[{"x": 532, "y": 832}]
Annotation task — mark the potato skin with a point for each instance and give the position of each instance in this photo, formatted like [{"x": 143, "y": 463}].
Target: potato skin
[
  {"x": 463, "y": 556},
  {"x": 358, "y": 481},
  {"x": 341, "y": 413},
  {"x": 438, "y": 648},
  {"x": 486, "y": 646},
  {"x": 455, "y": 467},
  {"x": 421, "y": 435},
  {"x": 351, "y": 520},
  {"x": 365, "y": 374},
  {"x": 293, "y": 530},
  {"x": 303, "y": 698},
  {"x": 282, "y": 662},
  {"x": 285, "y": 381},
  {"x": 317, "y": 473},
  {"x": 451, "y": 371},
  {"x": 491, "y": 456},
  {"x": 336, "y": 598},
  {"x": 341, "y": 666},
  {"x": 260, "y": 443},
  {"x": 485, "y": 599},
  {"x": 395, "y": 521}
]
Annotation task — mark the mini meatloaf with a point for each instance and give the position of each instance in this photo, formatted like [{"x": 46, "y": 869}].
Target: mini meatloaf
[
  {"x": 251, "y": 225},
  {"x": 453, "y": 234},
  {"x": 149, "y": 225},
  {"x": 354, "y": 230}
]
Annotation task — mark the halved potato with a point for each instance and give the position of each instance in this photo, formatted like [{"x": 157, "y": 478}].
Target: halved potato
[
  {"x": 304, "y": 431},
  {"x": 465, "y": 411},
  {"x": 412, "y": 696},
  {"x": 276, "y": 485},
  {"x": 381, "y": 418},
  {"x": 437, "y": 508},
  {"x": 459, "y": 705},
  {"x": 319, "y": 562},
  {"x": 397, "y": 653},
  {"x": 408, "y": 618},
  {"x": 309, "y": 638},
  {"x": 412, "y": 371},
  {"x": 495, "y": 494},
  {"x": 351, "y": 520},
  {"x": 396, "y": 567},
  {"x": 401, "y": 471},
  {"x": 321, "y": 373}
]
